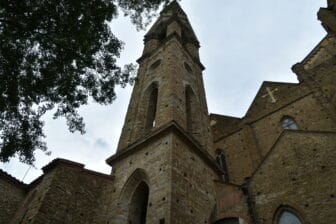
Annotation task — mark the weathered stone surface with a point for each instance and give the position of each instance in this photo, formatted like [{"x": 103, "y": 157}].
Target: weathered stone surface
[
  {"x": 12, "y": 193},
  {"x": 299, "y": 172},
  {"x": 176, "y": 164}
]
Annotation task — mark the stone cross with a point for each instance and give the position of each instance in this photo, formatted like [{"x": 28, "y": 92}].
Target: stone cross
[{"x": 270, "y": 93}]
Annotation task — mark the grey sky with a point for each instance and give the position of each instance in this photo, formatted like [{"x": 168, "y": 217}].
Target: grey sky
[{"x": 243, "y": 43}]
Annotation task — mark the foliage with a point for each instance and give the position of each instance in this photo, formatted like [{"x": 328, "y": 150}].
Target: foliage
[{"x": 55, "y": 55}]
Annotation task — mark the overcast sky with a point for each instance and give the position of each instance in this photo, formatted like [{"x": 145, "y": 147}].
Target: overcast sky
[{"x": 243, "y": 43}]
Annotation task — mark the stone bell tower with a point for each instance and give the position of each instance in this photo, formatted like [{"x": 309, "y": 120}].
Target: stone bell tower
[
  {"x": 169, "y": 86},
  {"x": 163, "y": 170}
]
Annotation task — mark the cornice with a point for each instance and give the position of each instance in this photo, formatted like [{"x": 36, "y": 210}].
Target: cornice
[{"x": 171, "y": 127}]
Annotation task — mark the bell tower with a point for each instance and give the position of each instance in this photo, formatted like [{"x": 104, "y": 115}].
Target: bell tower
[
  {"x": 169, "y": 85},
  {"x": 164, "y": 147}
]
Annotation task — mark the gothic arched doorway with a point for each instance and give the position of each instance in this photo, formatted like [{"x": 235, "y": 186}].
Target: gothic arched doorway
[{"x": 138, "y": 206}]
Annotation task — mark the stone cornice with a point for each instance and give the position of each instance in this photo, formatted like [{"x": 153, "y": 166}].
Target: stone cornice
[
  {"x": 63, "y": 162},
  {"x": 66, "y": 163},
  {"x": 171, "y": 127}
]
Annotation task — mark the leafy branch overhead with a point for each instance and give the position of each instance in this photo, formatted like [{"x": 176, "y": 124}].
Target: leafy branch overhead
[{"x": 56, "y": 55}]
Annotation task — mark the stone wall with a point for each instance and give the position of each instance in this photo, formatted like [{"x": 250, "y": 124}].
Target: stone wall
[
  {"x": 298, "y": 173},
  {"x": 151, "y": 163},
  {"x": 325, "y": 77},
  {"x": 192, "y": 183},
  {"x": 231, "y": 202},
  {"x": 238, "y": 156},
  {"x": 66, "y": 193},
  {"x": 246, "y": 148},
  {"x": 30, "y": 206},
  {"x": 269, "y": 128},
  {"x": 12, "y": 194}
]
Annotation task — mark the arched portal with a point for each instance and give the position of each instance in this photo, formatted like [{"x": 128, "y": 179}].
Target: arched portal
[
  {"x": 133, "y": 200},
  {"x": 138, "y": 206}
]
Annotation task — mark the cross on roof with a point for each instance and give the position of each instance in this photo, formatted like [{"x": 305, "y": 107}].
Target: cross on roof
[{"x": 270, "y": 93}]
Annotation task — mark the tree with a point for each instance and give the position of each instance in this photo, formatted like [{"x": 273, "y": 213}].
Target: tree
[{"x": 55, "y": 55}]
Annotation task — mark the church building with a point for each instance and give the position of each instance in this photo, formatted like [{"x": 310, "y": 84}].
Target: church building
[{"x": 178, "y": 164}]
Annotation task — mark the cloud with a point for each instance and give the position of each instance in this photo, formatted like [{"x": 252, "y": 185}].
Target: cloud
[
  {"x": 101, "y": 143},
  {"x": 242, "y": 45}
]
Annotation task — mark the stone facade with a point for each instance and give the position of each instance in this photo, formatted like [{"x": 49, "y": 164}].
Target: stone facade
[
  {"x": 175, "y": 163},
  {"x": 12, "y": 194}
]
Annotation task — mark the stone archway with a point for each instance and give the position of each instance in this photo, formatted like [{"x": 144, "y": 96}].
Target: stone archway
[
  {"x": 133, "y": 201},
  {"x": 138, "y": 205}
]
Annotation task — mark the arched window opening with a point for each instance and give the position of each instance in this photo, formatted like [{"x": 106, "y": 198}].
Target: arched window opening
[
  {"x": 289, "y": 123},
  {"x": 286, "y": 215},
  {"x": 152, "y": 105},
  {"x": 193, "y": 112},
  {"x": 139, "y": 204},
  {"x": 221, "y": 161},
  {"x": 188, "y": 109}
]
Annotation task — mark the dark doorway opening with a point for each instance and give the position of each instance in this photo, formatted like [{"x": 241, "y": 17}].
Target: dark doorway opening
[
  {"x": 228, "y": 221},
  {"x": 138, "y": 205}
]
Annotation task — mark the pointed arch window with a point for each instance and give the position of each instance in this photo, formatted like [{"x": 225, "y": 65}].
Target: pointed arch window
[
  {"x": 188, "y": 95},
  {"x": 134, "y": 198},
  {"x": 287, "y": 215},
  {"x": 289, "y": 218},
  {"x": 152, "y": 107},
  {"x": 221, "y": 161},
  {"x": 193, "y": 113},
  {"x": 139, "y": 204},
  {"x": 289, "y": 123}
]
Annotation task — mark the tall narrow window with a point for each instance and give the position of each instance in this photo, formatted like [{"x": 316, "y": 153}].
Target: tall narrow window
[
  {"x": 138, "y": 206},
  {"x": 193, "y": 113},
  {"x": 221, "y": 160},
  {"x": 289, "y": 123},
  {"x": 188, "y": 109},
  {"x": 151, "y": 110}
]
